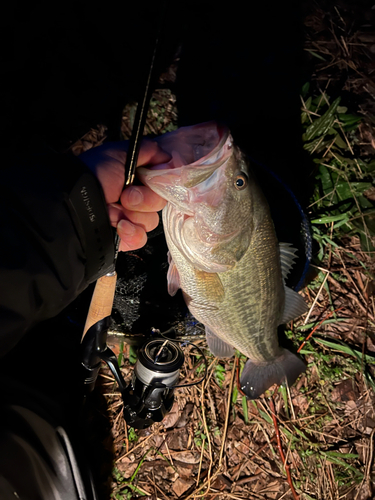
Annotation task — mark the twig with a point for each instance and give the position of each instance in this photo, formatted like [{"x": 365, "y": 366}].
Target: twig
[
  {"x": 142, "y": 490},
  {"x": 103, "y": 375},
  {"x": 207, "y": 433},
  {"x": 210, "y": 479},
  {"x": 316, "y": 299},
  {"x": 256, "y": 454},
  {"x": 126, "y": 437},
  {"x": 216, "y": 493},
  {"x": 135, "y": 447},
  {"x": 290, "y": 402},
  {"x": 227, "y": 416},
  {"x": 195, "y": 495},
  {"x": 235, "y": 497},
  {"x": 200, "y": 463},
  {"x": 370, "y": 456},
  {"x": 169, "y": 453},
  {"x": 212, "y": 406},
  {"x": 316, "y": 327},
  {"x": 211, "y": 367},
  {"x": 118, "y": 416},
  {"x": 279, "y": 446},
  {"x": 153, "y": 482},
  {"x": 156, "y": 488},
  {"x": 369, "y": 459}
]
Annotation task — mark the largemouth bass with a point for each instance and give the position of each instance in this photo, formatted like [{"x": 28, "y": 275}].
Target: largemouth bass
[{"x": 224, "y": 253}]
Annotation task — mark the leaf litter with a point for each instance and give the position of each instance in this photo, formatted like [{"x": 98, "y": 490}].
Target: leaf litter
[{"x": 314, "y": 440}]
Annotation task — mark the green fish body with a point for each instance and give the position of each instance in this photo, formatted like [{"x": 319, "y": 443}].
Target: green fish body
[{"x": 224, "y": 253}]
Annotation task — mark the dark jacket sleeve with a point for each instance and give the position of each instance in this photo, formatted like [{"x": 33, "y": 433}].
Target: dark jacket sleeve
[{"x": 55, "y": 239}]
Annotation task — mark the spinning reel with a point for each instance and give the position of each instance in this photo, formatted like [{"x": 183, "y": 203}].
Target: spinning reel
[{"x": 150, "y": 394}]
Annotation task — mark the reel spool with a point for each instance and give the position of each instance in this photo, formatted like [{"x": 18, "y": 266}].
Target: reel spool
[{"x": 150, "y": 395}]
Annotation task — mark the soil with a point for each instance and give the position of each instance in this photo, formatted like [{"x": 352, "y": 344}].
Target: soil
[{"x": 216, "y": 445}]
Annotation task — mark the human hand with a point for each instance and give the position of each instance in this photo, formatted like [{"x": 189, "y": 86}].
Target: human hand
[{"x": 137, "y": 213}]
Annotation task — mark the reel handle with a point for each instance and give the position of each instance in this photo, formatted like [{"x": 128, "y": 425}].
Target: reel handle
[{"x": 102, "y": 300}]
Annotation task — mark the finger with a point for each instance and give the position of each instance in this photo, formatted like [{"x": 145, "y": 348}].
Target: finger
[
  {"x": 151, "y": 153},
  {"x": 116, "y": 213},
  {"x": 132, "y": 236},
  {"x": 141, "y": 199},
  {"x": 147, "y": 220}
]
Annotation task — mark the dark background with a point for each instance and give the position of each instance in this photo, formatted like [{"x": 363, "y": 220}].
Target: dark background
[{"x": 69, "y": 66}]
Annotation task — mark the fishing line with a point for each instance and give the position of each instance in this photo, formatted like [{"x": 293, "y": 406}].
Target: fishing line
[{"x": 184, "y": 343}]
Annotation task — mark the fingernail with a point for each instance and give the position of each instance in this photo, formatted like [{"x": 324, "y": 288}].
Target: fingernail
[
  {"x": 126, "y": 227},
  {"x": 135, "y": 197}
]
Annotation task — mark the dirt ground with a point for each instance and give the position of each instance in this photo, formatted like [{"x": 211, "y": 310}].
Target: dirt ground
[{"x": 315, "y": 439}]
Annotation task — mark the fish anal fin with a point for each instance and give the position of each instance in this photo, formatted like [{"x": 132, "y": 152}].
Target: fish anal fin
[
  {"x": 257, "y": 377},
  {"x": 294, "y": 306},
  {"x": 218, "y": 347},
  {"x": 173, "y": 277},
  {"x": 287, "y": 258}
]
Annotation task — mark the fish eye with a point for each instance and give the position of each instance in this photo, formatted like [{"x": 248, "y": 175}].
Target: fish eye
[{"x": 240, "y": 181}]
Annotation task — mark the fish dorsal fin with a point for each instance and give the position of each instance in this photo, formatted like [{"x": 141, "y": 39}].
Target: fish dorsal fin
[
  {"x": 173, "y": 277},
  {"x": 287, "y": 258},
  {"x": 294, "y": 306},
  {"x": 218, "y": 347}
]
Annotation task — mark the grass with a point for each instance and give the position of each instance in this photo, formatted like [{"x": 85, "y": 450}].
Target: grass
[
  {"x": 343, "y": 178},
  {"x": 340, "y": 211},
  {"x": 313, "y": 440}
]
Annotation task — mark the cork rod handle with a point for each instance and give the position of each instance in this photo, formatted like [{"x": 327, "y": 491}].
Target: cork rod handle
[{"x": 102, "y": 300}]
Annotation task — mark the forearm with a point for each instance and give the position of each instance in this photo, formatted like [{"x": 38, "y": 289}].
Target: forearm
[{"x": 56, "y": 238}]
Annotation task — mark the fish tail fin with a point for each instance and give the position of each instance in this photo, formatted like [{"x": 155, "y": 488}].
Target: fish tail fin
[{"x": 257, "y": 377}]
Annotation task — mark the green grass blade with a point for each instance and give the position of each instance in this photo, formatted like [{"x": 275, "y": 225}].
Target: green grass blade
[{"x": 245, "y": 409}]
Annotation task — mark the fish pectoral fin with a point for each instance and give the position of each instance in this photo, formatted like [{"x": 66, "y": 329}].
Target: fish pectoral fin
[
  {"x": 294, "y": 306},
  {"x": 194, "y": 304},
  {"x": 218, "y": 347},
  {"x": 257, "y": 377},
  {"x": 173, "y": 278},
  {"x": 209, "y": 285},
  {"x": 287, "y": 258}
]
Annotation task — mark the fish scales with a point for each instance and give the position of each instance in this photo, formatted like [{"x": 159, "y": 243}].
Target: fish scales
[
  {"x": 250, "y": 321},
  {"x": 224, "y": 250}
]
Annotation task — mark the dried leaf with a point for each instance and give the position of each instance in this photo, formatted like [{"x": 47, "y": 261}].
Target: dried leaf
[
  {"x": 178, "y": 439},
  {"x": 188, "y": 457},
  {"x": 127, "y": 467},
  {"x": 345, "y": 391},
  {"x": 172, "y": 417},
  {"x": 182, "y": 485}
]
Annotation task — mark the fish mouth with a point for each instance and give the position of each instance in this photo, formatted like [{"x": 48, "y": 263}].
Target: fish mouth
[{"x": 196, "y": 153}]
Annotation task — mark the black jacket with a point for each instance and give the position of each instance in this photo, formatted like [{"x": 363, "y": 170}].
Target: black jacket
[{"x": 55, "y": 239}]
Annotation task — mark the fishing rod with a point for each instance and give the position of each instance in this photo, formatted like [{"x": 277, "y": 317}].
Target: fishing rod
[
  {"x": 104, "y": 292},
  {"x": 150, "y": 394}
]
